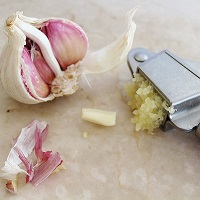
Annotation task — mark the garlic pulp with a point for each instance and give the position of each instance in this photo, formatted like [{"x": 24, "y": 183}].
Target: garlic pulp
[{"x": 44, "y": 58}]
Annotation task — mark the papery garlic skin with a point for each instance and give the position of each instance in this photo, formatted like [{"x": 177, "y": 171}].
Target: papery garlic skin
[
  {"x": 30, "y": 140},
  {"x": 110, "y": 56}
]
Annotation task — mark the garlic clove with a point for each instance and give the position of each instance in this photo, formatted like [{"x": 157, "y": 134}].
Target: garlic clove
[
  {"x": 42, "y": 67},
  {"x": 29, "y": 72},
  {"x": 69, "y": 42}
]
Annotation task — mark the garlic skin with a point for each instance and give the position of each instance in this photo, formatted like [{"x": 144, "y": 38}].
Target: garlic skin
[
  {"x": 21, "y": 157},
  {"x": 112, "y": 55},
  {"x": 58, "y": 74}
]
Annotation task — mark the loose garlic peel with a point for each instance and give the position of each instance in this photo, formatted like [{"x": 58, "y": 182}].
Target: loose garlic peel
[
  {"x": 114, "y": 54},
  {"x": 15, "y": 75}
]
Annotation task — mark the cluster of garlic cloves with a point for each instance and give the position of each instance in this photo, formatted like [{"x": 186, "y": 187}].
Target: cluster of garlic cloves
[
  {"x": 41, "y": 58},
  {"x": 44, "y": 58}
]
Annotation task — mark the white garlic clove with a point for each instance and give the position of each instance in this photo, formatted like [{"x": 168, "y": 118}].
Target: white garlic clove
[{"x": 97, "y": 116}]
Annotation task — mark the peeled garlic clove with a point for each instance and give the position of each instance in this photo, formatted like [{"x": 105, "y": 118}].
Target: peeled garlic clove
[
  {"x": 69, "y": 42},
  {"x": 97, "y": 116}
]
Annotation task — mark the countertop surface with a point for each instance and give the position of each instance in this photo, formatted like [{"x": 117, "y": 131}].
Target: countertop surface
[{"x": 112, "y": 162}]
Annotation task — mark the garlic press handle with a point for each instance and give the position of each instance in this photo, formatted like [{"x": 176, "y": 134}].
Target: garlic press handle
[{"x": 187, "y": 116}]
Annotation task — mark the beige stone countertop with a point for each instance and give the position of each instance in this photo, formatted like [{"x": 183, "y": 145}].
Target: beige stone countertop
[{"x": 112, "y": 163}]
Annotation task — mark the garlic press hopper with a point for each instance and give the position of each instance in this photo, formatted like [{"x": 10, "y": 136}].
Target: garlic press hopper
[{"x": 176, "y": 80}]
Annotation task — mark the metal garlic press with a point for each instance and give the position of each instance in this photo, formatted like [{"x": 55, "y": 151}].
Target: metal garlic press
[{"x": 177, "y": 80}]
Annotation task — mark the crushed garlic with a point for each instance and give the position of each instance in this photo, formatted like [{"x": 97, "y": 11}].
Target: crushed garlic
[{"x": 146, "y": 104}]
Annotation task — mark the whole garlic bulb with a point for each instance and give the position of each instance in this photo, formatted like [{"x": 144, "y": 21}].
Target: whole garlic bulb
[
  {"x": 44, "y": 58},
  {"x": 29, "y": 48}
]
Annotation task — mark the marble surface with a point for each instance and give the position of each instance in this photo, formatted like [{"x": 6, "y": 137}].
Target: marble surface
[{"x": 113, "y": 162}]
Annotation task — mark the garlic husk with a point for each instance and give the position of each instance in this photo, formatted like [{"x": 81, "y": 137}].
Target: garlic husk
[
  {"x": 109, "y": 57},
  {"x": 10, "y": 60},
  {"x": 37, "y": 170},
  {"x": 25, "y": 142}
]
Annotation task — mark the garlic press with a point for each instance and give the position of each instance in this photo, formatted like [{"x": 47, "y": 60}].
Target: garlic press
[{"x": 177, "y": 80}]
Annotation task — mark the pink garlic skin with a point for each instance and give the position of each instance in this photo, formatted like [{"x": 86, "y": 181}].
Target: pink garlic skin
[
  {"x": 41, "y": 88},
  {"x": 68, "y": 41},
  {"x": 28, "y": 144}
]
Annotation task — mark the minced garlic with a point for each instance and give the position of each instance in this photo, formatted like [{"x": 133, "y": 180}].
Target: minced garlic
[{"x": 146, "y": 103}]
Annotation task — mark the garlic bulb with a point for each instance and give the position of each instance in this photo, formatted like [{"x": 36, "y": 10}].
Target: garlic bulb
[{"x": 44, "y": 58}]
